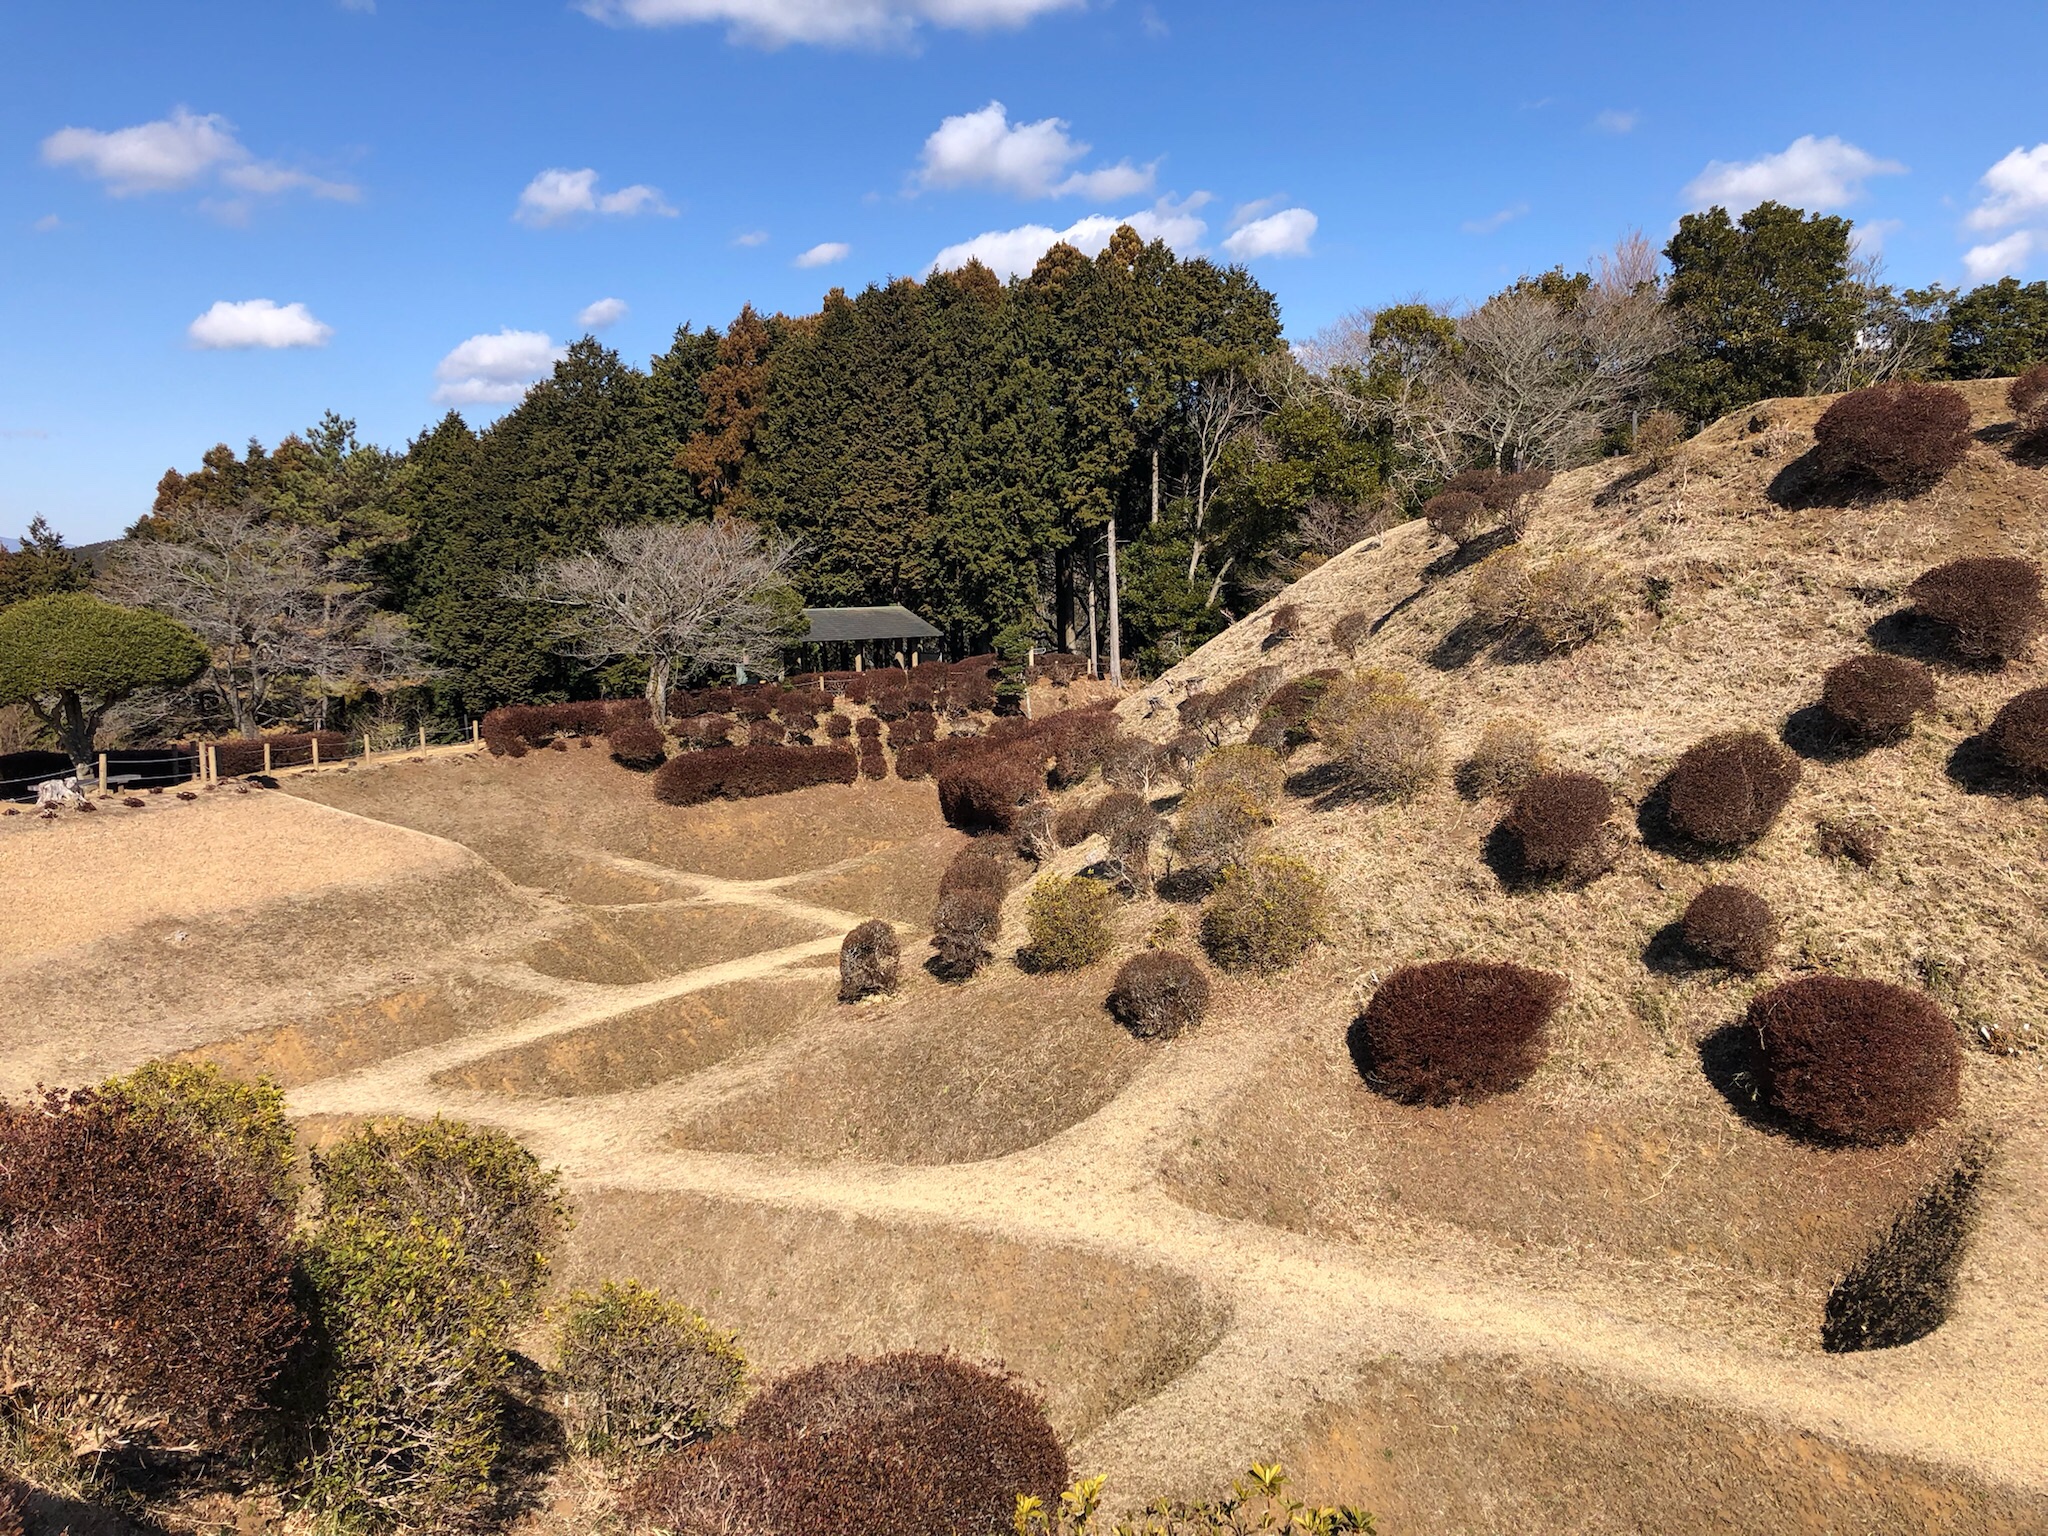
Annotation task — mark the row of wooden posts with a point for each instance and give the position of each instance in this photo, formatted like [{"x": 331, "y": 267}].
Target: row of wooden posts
[{"x": 209, "y": 755}]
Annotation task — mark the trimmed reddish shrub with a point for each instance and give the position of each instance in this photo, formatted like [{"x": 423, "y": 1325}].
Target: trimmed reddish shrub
[
  {"x": 705, "y": 731},
  {"x": 1859, "y": 1061},
  {"x": 2018, "y": 736},
  {"x": 874, "y": 764},
  {"x": 1731, "y": 925},
  {"x": 1457, "y": 1030},
  {"x": 746, "y": 772},
  {"x": 867, "y": 729},
  {"x": 1560, "y": 822},
  {"x": 1180, "y": 753},
  {"x": 1073, "y": 823},
  {"x": 1077, "y": 739},
  {"x": 1478, "y": 502},
  {"x": 1351, "y": 631},
  {"x": 516, "y": 728},
  {"x": 1899, "y": 436},
  {"x": 964, "y": 932},
  {"x": 837, "y": 726},
  {"x": 1876, "y": 698},
  {"x": 870, "y": 961},
  {"x": 1196, "y": 712},
  {"x": 904, "y": 1443},
  {"x": 754, "y": 702},
  {"x": 983, "y": 788},
  {"x": 800, "y": 708},
  {"x": 13, "y": 1508},
  {"x": 1283, "y": 720},
  {"x": 1264, "y": 915},
  {"x": 918, "y": 761},
  {"x": 763, "y": 732},
  {"x": 914, "y": 728},
  {"x": 1241, "y": 700},
  {"x": 2028, "y": 398},
  {"x": 1728, "y": 789},
  {"x": 1283, "y": 622},
  {"x": 145, "y": 1281},
  {"x": 1159, "y": 994},
  {"x": 637, "y": 743},
  {"x": 986, "y": 864},
  {"x": 237, "y": 757},
  {"x": 1456, "y": 515},
  {"x": 1068, "y": 922},
  {"x": 1992, "y": 606}
]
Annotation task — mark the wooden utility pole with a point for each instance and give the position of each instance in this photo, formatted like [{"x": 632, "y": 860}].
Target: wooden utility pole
[{"x": 1116, "y": 644}]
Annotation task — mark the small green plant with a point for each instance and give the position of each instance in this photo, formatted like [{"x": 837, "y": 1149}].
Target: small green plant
[
  {"x": 1264, "y": 916},
  {"x": 1258, "y": 1501},
  {"x": 1068, "y": 920},
  {"x": 1255, "y": 772},
  {"x": 642, "y": 1376},
  {"x": 240, "y": 1122}
]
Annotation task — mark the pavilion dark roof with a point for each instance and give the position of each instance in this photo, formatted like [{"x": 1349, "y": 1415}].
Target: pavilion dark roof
[{"x": 837, "y": 625}]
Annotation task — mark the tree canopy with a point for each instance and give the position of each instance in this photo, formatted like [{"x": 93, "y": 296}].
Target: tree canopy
[{"x": 71, "y": 657}]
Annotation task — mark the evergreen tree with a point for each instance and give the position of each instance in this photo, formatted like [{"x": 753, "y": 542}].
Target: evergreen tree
[
  {"x": 1998, "y": 330},
  {"x": 41, "y": 566}
]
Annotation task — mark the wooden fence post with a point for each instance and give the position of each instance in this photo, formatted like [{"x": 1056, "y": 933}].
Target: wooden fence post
[
  {"x": 266, "y": 757},
  {"x": 423, "y": 736},
  {"x": 316, "y": 749},
  {"x": 366, "y": 748},
  {"x": 103, "y": 773},
  {"x": 476, "y": 733}
]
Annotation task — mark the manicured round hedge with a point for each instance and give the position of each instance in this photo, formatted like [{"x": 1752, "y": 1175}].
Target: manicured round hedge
[
  {"x": 1991, "y": 605},
  {"x": 1729, "y": 788},
  {"x": 1457, "y": 1030},
  {"x": 904, "y": 1443},
  {"x": 1159, "y": 994},
  {"x": 1559, "y": 820},
  {"x": 2019, "y": 735},
  {"x": 1731, "y": 925},
  {"x": 1877, "y": 698},
  {"x": 1854, "y": 1060},
  {"x": 1900, "y": 436},
  {"x": 637, "y": 743},
  {"x": 870, "y": 961}
]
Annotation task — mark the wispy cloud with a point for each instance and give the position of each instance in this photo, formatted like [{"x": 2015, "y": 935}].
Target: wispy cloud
[
  {"x": 1614, "y": 120},
  {"x": 495, "y": 368},
  {"x": 257, "y": 325},
  {"x": 1499, "y": 219},
  {"x": 563, "y": 197},
  {"x": 186, "y": 149},
  {"x": 985, "y": 149},
  {"x": 831, "y": 23},
  {"x": 748, "y": 239},
  {"x": 1813, "y": 173},
  {"x": 824, "y": 255},
  {"x": 48, "y": 223},
  {"x": 602, "y": 314}
]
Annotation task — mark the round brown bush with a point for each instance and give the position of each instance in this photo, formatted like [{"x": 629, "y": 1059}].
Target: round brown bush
[
  {"x": 2019, "y": 734},
  {"x": 637, "y": 744},
  {"x": 1073, "y": 824},
  {"x": 2028, "y": 398},
  {"x": 1508, "y": 754},
  {"x": 145, "y": 1280},
  {"x": 1731, "y": 925},
  {"x": 1264, "y": 915},
  {"x": 1899, "y": 436},
  {"x": 986, "y": 864},
  {"x": 742, "y": 773},
  {"x": 1560, "y": 822},
  {"x": 904, "y": 1443},
  {"x": 1728, "y": 789},
  {"x": 1992, "y": 606},
  {"x": 1383, "y": 739},
  {"x": 1876, "y": 697},
  {"x": 964, "y": 931},
  {"x": 870, "y": 961},
  {"x": 1351, "y": 631},
  {"x": 13, "y": 1508},
  {"x": 1457, "y": 1030},
  {"x": 1458, "y": 515},
  {"x": 1857, "y": 1061},
  {"x": 984, "y": 789},
  {"x": 1159, "y": 994},
  {"x": 837, "y": 726}
]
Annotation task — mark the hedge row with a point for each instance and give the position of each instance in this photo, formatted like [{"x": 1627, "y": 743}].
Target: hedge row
[{"x": 742, "y": 773}]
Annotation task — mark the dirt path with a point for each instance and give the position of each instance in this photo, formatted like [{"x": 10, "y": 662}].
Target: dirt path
[{"x": 1305, "y": 1316}]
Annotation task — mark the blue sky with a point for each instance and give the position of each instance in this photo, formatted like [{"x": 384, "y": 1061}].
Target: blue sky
[{"x": 378, "y": 171}]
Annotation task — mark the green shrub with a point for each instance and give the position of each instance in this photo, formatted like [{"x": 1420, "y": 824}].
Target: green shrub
[
  {"x": 1068, "y": 921},
  {"x": 1214, "y": 826},
  {"x": 243, "y": 1123},
  {"x": 641, "y": 1376},
  {"x": 479, "y": 1187},
  {"x": 1380, "y": 736},
  {"x": 1256, "y": 772},
  {"x": 1264, "y": 915},
  {"x": 1258, "y": 1501}
]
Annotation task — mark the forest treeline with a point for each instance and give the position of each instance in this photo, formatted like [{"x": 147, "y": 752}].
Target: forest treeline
[{"x": 970, "y": 448}]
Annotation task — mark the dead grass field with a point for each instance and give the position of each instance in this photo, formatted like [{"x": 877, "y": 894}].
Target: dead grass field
[{"x": 1594, "y": 1306}]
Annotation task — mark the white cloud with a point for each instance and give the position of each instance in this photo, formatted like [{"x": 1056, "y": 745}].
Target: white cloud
[
  {"x": 1613, "y": 121},
  {"x": 1867, "y": 239},
  {"x": 772, "y": 23},
  {"x": 1808, "y": 173},
  {"x": 1499, "y": 219},
  {"x": 180, "y": 151},
  {"x": 748, "y": 239},
  {"x": 1286, "y": 233},
  {"x": 2002, "y": 258},
  {"x": 558, "y": 197},
  {"x": 1014, "y": 252},
  {"x": 257, "y": 324},
  {"x": 605, "y": 312},
  {"x": 2018, "y": 188},
  {"x": 494, "y": 369},
  {"x": 47, "y": 223},
  {"x": 985, "y": 149},
  {"x": 824, "y": 255}
]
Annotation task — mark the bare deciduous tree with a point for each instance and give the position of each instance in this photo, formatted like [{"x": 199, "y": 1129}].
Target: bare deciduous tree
[
  {"x": 273, "y": 603},
  {"x": 1224, "y": 405},
  {"x": 672, "y": 595}
]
